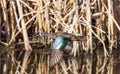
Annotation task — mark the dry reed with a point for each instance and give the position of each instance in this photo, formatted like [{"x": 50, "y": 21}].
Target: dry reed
[{"x": 97, "y": 20}]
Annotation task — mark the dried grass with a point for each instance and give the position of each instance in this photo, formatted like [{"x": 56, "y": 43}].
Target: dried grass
[{"x": 97, "y": 20}]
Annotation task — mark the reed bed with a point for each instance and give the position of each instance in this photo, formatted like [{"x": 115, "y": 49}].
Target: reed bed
[{"x": 97, "y": 20}]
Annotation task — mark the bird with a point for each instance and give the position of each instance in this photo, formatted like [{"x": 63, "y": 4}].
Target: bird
[
  {"x": 60, "y": 45},
  {"x": 62, "y": 34},
  {"x": 63, "y": 42}
]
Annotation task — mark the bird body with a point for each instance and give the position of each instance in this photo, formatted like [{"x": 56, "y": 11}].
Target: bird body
[
  {"x": 62, "y": 34},
  {"x": 60, "y": 45},
  {"x": 63, "y": 43}
]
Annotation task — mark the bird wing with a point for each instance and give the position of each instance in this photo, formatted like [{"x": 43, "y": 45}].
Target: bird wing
[
  {"x": 55, "y": 57},
  {"x": 72, "y": 37}
]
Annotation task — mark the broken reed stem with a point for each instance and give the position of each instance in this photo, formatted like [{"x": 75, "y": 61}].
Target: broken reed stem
[
  {"x": 110, "y": 24},
  {"x": 47, "y": 22},
  {"x": 6, "y": 22},
  {"x": 64, "y": 67},
  {"x": 89, "y": 44},
  {"x": 25, "y": 60},
  {"x": 40, "y": 16},
  {"x": 25, "y": 34}
]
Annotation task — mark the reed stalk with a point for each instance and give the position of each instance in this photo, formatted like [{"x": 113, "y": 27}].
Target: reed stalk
[{"x": 96, "y": 20}]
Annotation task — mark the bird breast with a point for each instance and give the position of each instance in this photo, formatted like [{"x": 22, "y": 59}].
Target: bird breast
[{"x": 68, "y": 47}]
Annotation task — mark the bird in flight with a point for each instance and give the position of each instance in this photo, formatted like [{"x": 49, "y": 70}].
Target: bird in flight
[{"x": 63, "y": 42}]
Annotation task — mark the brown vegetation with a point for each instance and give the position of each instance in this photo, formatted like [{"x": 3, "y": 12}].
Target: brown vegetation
[{"x": 97, "y": 20}]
